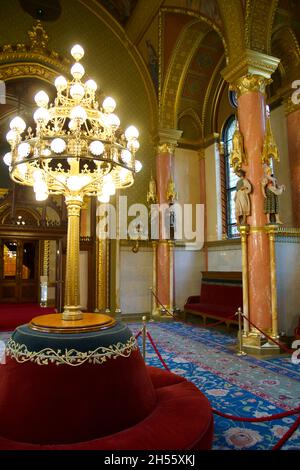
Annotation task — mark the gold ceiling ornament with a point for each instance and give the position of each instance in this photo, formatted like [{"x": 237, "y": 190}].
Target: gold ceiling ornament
[
  {"x": 237, "y": 156},
  {"x": 77, "y": 149},
  {"x": 33, "y": 59},
  {"x": 38, "y": 37},
  {"x": 37, "y": 49},
  {"x": 152, "y": 191},
  {"x": 172, "y": 194},
  {"x": 270, "y": 149}
]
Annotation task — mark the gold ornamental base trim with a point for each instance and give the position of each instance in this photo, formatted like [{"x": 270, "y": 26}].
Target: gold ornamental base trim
[
  {"x": 159, "y": 316},
  {"x": 54, "y": 323},
  {"x": 259, "y": 344}
]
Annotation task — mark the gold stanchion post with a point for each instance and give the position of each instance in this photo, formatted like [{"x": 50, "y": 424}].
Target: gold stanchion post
[
  {"x": 240, "y": 350},
  {"x": 144, "y": 336}
]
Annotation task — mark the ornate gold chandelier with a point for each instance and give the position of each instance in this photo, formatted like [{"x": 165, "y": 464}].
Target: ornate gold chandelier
[{"x": 78, "y": 149}]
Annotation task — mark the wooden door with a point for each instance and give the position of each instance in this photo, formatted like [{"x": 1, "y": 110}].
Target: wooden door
[{"x": 19, "y": 271}]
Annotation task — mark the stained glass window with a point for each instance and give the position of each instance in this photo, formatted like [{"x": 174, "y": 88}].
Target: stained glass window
[{"x": 230, "y": 178}]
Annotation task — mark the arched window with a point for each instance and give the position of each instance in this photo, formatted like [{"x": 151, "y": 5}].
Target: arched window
[{"x": 230, "y": 178}]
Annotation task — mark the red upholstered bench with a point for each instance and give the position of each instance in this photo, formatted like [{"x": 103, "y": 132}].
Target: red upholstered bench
[{"x": 221, "y": 295}]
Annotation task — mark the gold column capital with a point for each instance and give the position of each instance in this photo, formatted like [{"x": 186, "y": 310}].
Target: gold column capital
[
  {"x": 250, "y": 83},
  {"x": 251, "y": 63},
  {"x": 168, "y": 140},
  {"x": 271, "y": 229},
  {"x": 289, "y": 106},
  {"x": 244, "y": 231}
]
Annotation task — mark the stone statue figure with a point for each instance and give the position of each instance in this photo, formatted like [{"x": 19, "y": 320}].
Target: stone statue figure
[
  {"x": 271, "y": 190},
  {"x": 242, "y": 199}
]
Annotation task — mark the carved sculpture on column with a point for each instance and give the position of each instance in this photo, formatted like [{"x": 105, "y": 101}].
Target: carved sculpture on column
[
  {"x": 237, "y": 156},
  {"x": 242, "y": 199},
  {"x": 172, "y": 195},
  {"x": 271, "y": 190},
  {"x": 152, "y": 191},
  {"x": 270, "y": 149}
]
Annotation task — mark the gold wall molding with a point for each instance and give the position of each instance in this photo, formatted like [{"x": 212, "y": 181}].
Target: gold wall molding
[
  {"x": 232, "y": 15},
  {"x": 288, "y": 231},
  {"x": 260, "y": 16},
  {"x": 250, "y": 63},
  {"x": 289, "y": 106},
  {"x": 201, "y": 154},
  {"x": 33, "y": 59}
]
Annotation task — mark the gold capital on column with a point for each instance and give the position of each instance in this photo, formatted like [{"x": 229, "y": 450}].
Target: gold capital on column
[
  {"x": 289, "y": 106},
  {"x": 254, "y": 64},
  {"x": 249, "y": 83},
  {"x": 168, "y": 140}
]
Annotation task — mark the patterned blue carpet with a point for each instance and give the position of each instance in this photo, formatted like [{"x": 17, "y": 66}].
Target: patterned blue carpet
[{"x": 243, "y": 386}]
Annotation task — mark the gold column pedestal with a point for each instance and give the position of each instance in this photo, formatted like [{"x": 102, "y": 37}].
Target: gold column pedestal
[
  {"x": 72, "y": 320},
  {"x": 272, "y": 230},
  {"x": 72, "y": 309}
]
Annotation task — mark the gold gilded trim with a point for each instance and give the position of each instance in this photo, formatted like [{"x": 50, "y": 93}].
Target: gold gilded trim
[
  {"x": 289, "y": 106},
  {"x": 33, "y": 59},
  {"x": 250, "y": 63},
  {"x": 71, "y": 357},
  {"x": 251, "y": 83}
]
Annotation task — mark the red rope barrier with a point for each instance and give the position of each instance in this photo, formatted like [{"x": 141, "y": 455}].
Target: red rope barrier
[
  {"x": 281, "y": 345},
  {"x": 169, "y": 313},
  {"x": 138, "y": 334},
  {"x": 287, "y": 435},
  {"x": 284, "y": 414},
  {"x": 157, "y": 352},
  {"x": 258, "y": 420}
]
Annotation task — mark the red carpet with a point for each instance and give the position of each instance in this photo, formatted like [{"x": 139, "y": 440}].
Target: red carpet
[{"x": 13, "y": 315}]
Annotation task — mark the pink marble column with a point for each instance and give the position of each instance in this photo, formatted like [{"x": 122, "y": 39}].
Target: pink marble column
[
  {"x": 293, "y": 129},
  {"x": 252, "y": 121},
  {"x": 164, "y": 171}
]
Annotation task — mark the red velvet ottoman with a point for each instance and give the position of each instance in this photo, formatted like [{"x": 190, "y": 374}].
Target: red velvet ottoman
[{"x": 108, "y": 400}]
